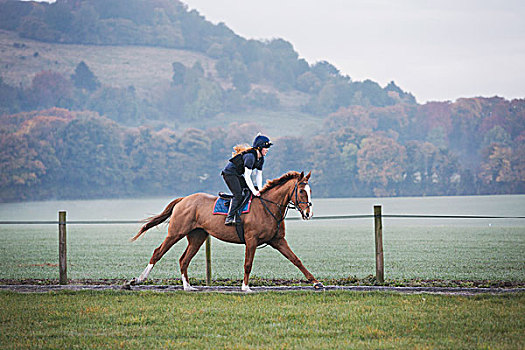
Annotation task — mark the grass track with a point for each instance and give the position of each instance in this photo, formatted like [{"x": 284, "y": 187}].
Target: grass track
[{"x": 102, "y": 320}]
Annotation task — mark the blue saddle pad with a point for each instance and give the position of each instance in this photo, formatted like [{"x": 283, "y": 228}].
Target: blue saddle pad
[{"x": 221, "y": 206}]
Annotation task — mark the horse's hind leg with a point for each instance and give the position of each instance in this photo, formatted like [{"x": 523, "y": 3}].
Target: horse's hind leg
[
  {"x": 195, "y": 240},
  {"x": 157, "y": 255}
]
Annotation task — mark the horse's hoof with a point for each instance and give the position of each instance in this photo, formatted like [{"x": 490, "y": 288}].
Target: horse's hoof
[
  {"x": 190, "y": 289},
  {"x": 127, "y": 285},
  {"x": 245, "y": 288},
  {"x": 318, "y": 285}
]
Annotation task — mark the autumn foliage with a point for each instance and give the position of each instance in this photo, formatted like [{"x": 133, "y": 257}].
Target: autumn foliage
[{"x": 472, "y": 146}]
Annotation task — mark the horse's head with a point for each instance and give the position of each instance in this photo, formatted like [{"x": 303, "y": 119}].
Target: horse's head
[{"x": 302, "y": 197}]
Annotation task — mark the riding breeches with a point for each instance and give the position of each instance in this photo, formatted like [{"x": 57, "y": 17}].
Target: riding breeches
[{"x": 235, "y": 184}]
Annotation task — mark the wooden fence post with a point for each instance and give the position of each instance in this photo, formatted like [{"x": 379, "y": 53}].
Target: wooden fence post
[
  {"x": 208, "y": 260},
  {"x": 378, "y": 224},
  {"x": 62, "y": 247}
]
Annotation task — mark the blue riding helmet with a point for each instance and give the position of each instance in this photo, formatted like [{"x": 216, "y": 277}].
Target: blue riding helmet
[{"x": 261, "y": 141}]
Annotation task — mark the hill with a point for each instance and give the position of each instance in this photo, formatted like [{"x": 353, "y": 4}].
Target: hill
[
  {"x": 149, "y": 71},
  {"x": 133, "y": 97},
  {"x": 124, "y": 43}
]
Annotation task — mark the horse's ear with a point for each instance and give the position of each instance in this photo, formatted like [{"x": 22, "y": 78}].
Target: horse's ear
[
  {"x": 308, "y": 176},
  {"x": 302, "y": 175}
]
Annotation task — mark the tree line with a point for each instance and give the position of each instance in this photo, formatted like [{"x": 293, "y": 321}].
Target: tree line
[{"x": 472, "y": 146}]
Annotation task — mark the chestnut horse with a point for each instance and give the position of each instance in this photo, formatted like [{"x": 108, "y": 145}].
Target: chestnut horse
[{"x": 191, "y": 217}]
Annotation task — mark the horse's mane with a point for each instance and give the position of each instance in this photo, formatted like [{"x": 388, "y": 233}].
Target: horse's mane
[{"x": 279, "y": 181}]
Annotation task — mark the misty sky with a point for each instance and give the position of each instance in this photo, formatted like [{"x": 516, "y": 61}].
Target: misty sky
[{"x": 437, "y": 50}]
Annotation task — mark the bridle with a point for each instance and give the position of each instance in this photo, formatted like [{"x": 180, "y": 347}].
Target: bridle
[
  {"x": 297, "y": 202},
  {"x": 288, "y": 205}
]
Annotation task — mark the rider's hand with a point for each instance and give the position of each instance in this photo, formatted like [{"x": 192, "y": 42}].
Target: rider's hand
[{"x": 256, "y": 193}]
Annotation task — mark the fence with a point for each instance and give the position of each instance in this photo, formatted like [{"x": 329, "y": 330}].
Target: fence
[{"x": 378, "y": 235}]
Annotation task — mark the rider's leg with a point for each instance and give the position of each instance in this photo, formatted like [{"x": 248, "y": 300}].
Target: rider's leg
[{"x": 235, "y": 187}]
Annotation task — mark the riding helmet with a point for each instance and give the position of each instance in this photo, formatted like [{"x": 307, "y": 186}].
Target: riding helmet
[{"x": 261, "y": 141}]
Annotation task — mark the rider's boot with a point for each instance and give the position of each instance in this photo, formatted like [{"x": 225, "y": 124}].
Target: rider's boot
[{"x": 232, "y": 212}]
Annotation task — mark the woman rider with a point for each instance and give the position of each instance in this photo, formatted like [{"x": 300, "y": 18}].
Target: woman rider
[{"x": 237, "y": 173}]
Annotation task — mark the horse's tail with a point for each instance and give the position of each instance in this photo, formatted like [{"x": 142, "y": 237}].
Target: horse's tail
[{"x": 157, "y": 219}]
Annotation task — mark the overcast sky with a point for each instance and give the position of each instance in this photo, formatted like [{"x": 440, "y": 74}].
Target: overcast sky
[{"x": 437, "y": 50}]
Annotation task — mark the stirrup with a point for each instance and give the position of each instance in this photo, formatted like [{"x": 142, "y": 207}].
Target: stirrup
[
  {"x": 237, "y": 219},
  {"x": 229, "y": 221}
]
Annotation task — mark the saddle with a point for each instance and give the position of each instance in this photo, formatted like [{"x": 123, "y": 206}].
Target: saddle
[
  {"x": 225, "y": 195},
  {"x": 222, "y": 205},
  {"x": 228, "y": 196}
]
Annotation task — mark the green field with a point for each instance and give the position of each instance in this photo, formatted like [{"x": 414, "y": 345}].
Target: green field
[
  {"x": 329, "y": 249},
  {"x": 297, "y": 320}
]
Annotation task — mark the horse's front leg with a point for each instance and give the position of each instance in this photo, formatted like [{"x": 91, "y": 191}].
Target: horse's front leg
[
  {"x": 282, "y": 246},
  {"x": 251, "y": 247}
]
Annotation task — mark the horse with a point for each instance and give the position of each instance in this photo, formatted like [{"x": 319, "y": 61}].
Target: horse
[{"x": 191, "y": 217}]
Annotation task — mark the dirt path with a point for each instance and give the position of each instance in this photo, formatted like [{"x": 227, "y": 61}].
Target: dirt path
[{"x": 30, "y": 288}]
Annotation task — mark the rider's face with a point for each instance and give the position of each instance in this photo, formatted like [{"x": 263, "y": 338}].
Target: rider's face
[{"x": 264, "y": 151}]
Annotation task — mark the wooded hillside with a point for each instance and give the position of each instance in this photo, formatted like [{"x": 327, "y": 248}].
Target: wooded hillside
[
  {"x": 234, "y": 74},
  {"x": 132, "y": 97}
]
